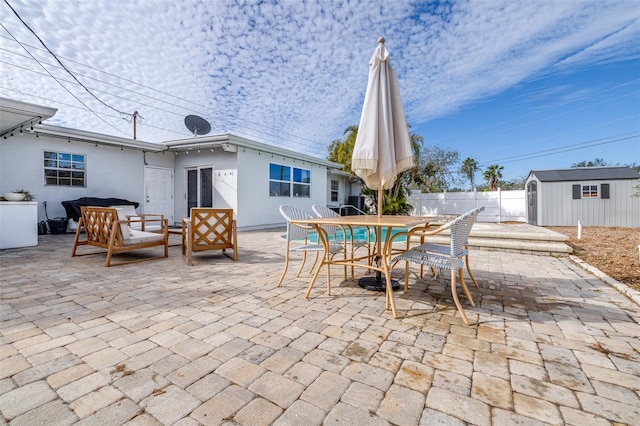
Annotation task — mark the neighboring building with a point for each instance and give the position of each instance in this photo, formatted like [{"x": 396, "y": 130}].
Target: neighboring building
[
  {"x": 58, "y": 164},
  {"x": 597, "y": 196}
]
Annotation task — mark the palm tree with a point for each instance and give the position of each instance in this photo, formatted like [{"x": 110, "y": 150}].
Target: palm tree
[
  {"x": 469, "y": 168},
  {"x": 492, "y": 175},
  {"x": 341, "y": 151},
  {"x": 395, "y": 199}
]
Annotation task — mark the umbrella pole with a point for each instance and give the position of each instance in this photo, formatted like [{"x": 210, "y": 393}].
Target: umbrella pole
[{"x": 377, "y": 283}]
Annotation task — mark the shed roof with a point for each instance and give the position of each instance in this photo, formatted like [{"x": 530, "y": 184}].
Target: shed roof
[{"x": 586, "y": 173}]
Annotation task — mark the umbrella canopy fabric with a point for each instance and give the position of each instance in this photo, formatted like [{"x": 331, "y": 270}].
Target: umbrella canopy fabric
[{"x": 383, "y": 147}]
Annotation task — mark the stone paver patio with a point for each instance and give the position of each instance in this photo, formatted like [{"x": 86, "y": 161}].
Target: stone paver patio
[{"x": 163, "y": 343}]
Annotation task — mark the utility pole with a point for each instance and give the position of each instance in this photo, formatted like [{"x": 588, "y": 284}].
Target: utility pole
[{"x": 135, "y": 118}]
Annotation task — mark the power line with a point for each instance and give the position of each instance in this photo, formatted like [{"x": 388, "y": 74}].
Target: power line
[
  {"x": 56, "y": 58},
  {"x": 566, "y": 148},
  {"x": 62, "y": 85},
  {"x": 259, "y": 128},
  {"x": 549, "y": 117},
  {"x": 58, "y": 102},
  {"x": 309, "y": 143}
]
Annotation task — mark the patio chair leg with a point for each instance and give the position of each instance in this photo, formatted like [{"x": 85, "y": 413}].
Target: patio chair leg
[
  {"x": 454, "y": 293},
  {"x": 466, "y": 259},
  {"x": 465, "y": 288},
  {"x": 313, "y": 281},
  {"x": 406, "y": 277},
  {"x": 315, "y": 262},
  {"x": 286, "y": 265},
  {"x": 304, "y": 260},
  {"x": 329, "y": 277},
  {"x": 389, "y": 294}
]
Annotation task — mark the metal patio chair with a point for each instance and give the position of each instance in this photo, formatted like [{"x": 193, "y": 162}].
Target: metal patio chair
[
  {"x": 298, "y": 242},
  {"x": 453, "y": 257},
  {"x": 348, "y": 234}
]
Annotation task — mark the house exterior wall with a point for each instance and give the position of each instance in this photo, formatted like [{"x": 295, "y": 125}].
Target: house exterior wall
[
  {"x": 344, "y": 189},
  {"x": 556, "y": 206},
  {"x": 115, "y": 168},
  {"x": 225, "y": 173},
  {"x": 256, "y": 208},
  {"x": 110, "y": 171}
]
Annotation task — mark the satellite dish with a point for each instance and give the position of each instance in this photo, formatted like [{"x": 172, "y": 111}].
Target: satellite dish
[{"x": 197, "y": 125}]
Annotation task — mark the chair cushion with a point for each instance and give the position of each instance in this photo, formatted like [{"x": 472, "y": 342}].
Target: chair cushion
[
  {"x": 124, "y": 228},
  {"x": 128, "y": 210},
  {"x": 430, "y": 259},
  {"x": 140, "y": 237},
  {"x": 439, "y": 248},
  {"x": 130, "y": 213}
]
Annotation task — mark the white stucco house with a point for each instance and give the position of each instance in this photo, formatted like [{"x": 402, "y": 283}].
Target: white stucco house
[
  {"x": 596, "y": 196},
  {"x": 58, "y": 164}
]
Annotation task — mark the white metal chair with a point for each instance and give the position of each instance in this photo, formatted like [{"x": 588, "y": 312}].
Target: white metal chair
[
  {"x": 348, "y": 236},
  {"x": 452, "y": 257},
  {"x": 298, "y": 235},
  {"x": 446, "y": 249}
]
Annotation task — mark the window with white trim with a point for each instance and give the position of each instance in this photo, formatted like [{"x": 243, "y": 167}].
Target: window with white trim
[
  {"x": 64, "y": 169},
  {"x": 334, "y": 191},
  {"x": 287, "y": 181},
  {"x": 589, "y": 191}
]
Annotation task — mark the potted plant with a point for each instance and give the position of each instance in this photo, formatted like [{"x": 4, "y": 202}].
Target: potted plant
[{"x": 19, "y": 195}]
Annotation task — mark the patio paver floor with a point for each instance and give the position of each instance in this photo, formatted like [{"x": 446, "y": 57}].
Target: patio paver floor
[{"x": 163, "y": 343}]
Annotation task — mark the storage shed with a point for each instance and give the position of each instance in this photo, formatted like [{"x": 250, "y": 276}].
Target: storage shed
[{"x": 597, "y": 196}]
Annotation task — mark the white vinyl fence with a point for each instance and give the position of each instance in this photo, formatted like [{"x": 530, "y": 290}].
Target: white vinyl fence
[{"x": 499, "y": 206}]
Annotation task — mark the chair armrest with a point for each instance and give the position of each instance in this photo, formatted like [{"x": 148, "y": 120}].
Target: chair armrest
[
  {"x": 151, "y": 216},
  {"x": 157, "y": 219},
  {"x": 419, "y": 231},
  {"x": 304, "y": 226}
]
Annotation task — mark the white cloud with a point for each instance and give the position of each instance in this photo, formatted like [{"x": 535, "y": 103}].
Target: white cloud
[{"x": 292, "y": 72}]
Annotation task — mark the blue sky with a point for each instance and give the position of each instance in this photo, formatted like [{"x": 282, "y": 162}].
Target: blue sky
[{"x": 505, "y": 82}]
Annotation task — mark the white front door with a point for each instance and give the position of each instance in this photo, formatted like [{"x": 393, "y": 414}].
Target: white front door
[{"x": 158, "y": 192}]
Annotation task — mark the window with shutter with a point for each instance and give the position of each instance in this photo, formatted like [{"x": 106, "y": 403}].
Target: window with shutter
[{"x": 576, "y": 192}]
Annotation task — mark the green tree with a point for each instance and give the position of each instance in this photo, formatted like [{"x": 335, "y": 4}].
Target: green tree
[
  {"x": 514, "y": 184},
  {"x": 438, "y": 168},
  {"x": 492, "y": 175},
  {"x": 469, "y": 168},
  {"x": 342, "y": 151},
  {"x": 598, "y": 162},
  {"x": 395, "y": 199},
  {"x": 634, "y": 166}
]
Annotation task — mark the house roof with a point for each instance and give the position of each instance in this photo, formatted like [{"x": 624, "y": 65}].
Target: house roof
[
  {"x": 15, "y": 114},
  {"x": 230, "y": 142},
  {"x": 585, "y": 173},
  {"x": 97, "y": 138}
]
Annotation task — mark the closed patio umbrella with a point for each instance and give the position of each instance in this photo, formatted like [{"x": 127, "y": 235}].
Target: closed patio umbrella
[{"x": 383, "y": 147}]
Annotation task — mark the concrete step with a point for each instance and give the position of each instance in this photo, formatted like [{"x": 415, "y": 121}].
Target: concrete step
[{"x": 512, "y": 237}]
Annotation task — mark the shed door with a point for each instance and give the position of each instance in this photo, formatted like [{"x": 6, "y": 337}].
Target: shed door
[{"x": 532, "y": 203}]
